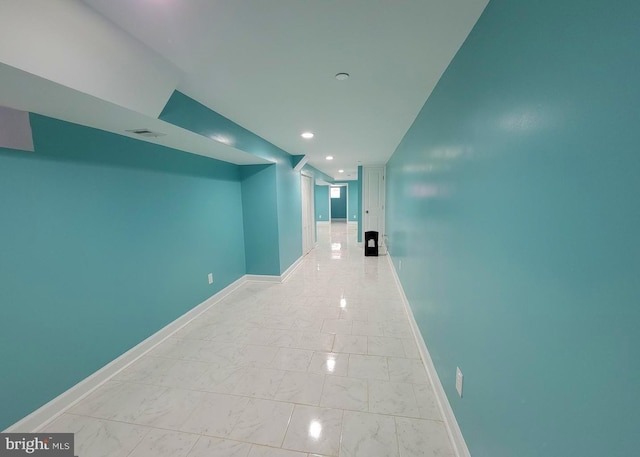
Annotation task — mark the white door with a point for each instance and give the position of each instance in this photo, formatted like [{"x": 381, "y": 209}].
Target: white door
[
  {"x": 373, "y": 201},
  {"x": 308, "y": 218}
]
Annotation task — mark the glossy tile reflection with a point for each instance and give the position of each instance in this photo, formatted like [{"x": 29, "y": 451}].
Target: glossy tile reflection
[
  {"x": 315, "y": 430},
  {"x": 324, "y": 364}
]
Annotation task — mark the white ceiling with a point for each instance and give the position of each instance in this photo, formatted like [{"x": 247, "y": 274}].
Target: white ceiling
[
  {"x": 268, "y": 65},
  {"x": 27, "y": 92}
]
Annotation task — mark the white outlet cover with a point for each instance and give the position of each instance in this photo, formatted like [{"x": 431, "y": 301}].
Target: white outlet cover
[
  {"x": 459, "y": 380},
  {"x": 210, "y": 278}
]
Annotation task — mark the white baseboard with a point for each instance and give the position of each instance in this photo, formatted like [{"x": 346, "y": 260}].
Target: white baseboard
[
  {"x": 382, "y": 248},
  {"x": 263, "y": 278},
  {"x": 352, "y": 222},
  {"x": 274, "y": 278},
  {"x": 289, "y": 271},
  {"x": 323, "y": 222},
  {"x": 51, "y": 410},
  {"x": 453, "y": 429}
]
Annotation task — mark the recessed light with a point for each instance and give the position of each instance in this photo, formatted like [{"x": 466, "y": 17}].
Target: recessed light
[
  {"x": 340, "y": 171},
  {"x": 307, "y": 135},
  {"x": 329, "y": 157},
  {"x": 342, "y": 76},
  {"x": 221, "y": 139}
]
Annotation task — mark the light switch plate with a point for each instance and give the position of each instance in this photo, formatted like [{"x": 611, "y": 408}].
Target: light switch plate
[{"x": 210, "y": 278}]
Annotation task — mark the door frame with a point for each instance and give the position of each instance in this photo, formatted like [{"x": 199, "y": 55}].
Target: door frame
[
  {"x": 346, "y": 196},
  {"x": 365, "y": 203},
  {"x": 309, "y": 218}
]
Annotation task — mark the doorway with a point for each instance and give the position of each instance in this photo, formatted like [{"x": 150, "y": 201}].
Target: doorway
[
  {"x": 338, "y": 203},
  {"x": 308, "y": 215},
  {"x": 373, "y": 201}
]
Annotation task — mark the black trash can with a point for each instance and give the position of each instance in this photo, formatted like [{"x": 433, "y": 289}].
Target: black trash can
[{"x": 371, "y": 243}]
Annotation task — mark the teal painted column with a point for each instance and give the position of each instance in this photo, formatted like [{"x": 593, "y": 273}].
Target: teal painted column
[
  {"x": 260, "y": 219},
  {"x": 360, "y": 203},
  {"x": 187, "y": 113},
  {"x": 354, "y": 201},
  {"x": 322, "y": 203}
]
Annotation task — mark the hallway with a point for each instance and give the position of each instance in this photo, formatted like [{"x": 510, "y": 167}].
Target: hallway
[{"x": 323, "y": 364}]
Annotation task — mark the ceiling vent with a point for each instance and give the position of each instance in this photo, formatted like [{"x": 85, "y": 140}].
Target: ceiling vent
[{"x": 146, "y": 133}]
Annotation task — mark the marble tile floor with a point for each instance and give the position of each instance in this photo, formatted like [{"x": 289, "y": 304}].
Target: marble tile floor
[{"x": 322, "y": 365}]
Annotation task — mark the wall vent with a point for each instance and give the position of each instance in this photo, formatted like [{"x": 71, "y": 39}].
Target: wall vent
[{"x": 146, "y": 133}]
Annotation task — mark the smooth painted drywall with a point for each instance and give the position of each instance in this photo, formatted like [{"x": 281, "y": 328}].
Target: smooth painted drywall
[
  {"x": 289, "y": 195},
  {"x": 322, "y": 203},
  {"x": 194, "y": 116},
  {"x": 105, "y": 240},
  {"x": 72, "y": 44},
  {"x": 513, "y": 206},
  {"x": 360, "y": 176},
  {"x": 353, "y": 200},
  {"x": 339, "y": 205},
  {"x": 260, "y": 215}
]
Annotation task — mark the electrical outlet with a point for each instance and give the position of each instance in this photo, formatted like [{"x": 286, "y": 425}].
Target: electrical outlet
[
  {"x": 319, "y": 216},
  {"x": 210, "y": 278},
  {"x": 459, "y": 379}
]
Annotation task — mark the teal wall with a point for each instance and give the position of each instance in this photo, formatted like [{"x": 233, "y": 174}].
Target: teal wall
[
  {"x": 289, "y": 196},
  {"x": 105, "y": 240},
  {"x": 512, "y": 202},
  {"x": 322, "y": 203},
  {"x": 339, "y": 205},
  {"x": 360, "y": 175},
  {"x": 259, "y": 210},
  {"x": 353, "y": 200},
  {"x": 191, "y": 115}
]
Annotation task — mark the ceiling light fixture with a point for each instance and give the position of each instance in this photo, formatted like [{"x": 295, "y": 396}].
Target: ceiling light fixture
[
  {"x": 342, "y": 76},
  {"x": 340, "y": 171},
  {"x": 307, "y": 135},
  {"x": 329, "y": 157}
]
